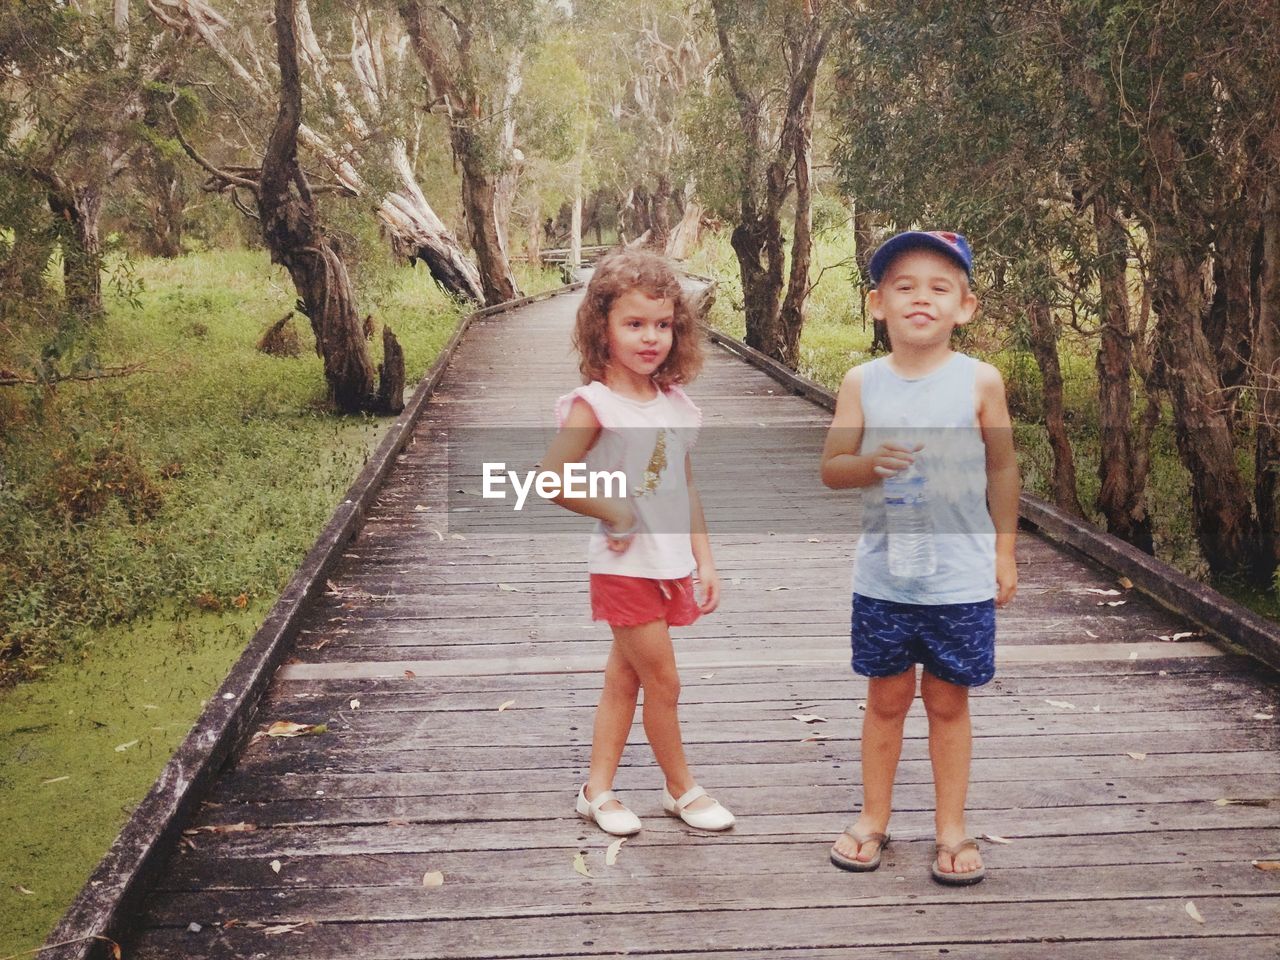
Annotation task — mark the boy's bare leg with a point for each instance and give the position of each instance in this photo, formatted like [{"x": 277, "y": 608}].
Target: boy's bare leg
[
  {"x": 888, "y": 700},
  {"x": 950, "y": 750},
  {"x": 616, "y": 711},
  {"x": 649, "y": 652}
]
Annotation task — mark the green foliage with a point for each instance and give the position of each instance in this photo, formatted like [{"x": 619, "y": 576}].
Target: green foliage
[{"x": 163, "y": 487}]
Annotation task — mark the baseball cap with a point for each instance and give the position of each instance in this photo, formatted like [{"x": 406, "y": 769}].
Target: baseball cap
[{"x": 950, "y": 244}]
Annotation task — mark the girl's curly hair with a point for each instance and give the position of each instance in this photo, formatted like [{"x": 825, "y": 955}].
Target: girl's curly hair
[{"x": 615, "y": 274}]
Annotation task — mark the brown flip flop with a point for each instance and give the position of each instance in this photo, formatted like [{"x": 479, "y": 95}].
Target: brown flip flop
[
  {"x": 957, "y": 879},
  {"x": 861, "y": 866}
]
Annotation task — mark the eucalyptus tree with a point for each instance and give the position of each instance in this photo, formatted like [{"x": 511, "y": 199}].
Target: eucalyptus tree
[
  {"x": 1087, "y": 146},
  {"x": 70, "y": 80},
  {"x": 472, "y": 59},
  {"x": 363, "y": 128},
  {"x": 285, "y": 198},
  {"x": 751, "y": 138}
]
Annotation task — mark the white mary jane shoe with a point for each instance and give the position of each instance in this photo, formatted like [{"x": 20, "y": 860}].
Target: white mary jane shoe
[
  {"x": 620, "y": 823},
  {"x": 714, "y": 817}
]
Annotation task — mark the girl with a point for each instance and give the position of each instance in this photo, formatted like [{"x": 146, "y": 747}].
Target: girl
[{"x": 637, "y": 340}]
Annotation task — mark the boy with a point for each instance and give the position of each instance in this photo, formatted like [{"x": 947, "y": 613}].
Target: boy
[{"x": 925, "y": 402}]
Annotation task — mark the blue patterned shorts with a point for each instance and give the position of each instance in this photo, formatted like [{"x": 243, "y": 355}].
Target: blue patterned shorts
[{"x": 956, "y": 642}]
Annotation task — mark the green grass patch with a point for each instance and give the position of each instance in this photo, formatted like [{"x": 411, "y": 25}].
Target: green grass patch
[{"x": 147, "y": 523}]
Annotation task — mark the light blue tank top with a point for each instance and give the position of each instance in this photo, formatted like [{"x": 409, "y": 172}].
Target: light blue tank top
[{"x": 938, "y": 410}]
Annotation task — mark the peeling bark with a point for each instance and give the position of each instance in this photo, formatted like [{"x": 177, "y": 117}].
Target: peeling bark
[{"x": 1044, "y": 346}]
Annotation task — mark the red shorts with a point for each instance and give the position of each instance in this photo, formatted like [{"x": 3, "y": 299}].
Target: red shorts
[{"x": 631, "y": 601}]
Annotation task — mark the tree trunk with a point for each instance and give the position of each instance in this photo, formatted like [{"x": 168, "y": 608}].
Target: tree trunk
[
  {"x": 757, "y": 242},
  {"x": 661, "y": 216},
  {"x": 685, "y": 237},
  {"x": 479, "y": 199},
  {"x": 533, "y": 241},
  {"x": 1220, "y": 502},
  {"x": 864, "y": 243},
  {"x": 166, "y": 204},
  {"x": 1044, "y": 346},
  {"x": 1121, "y": 470},
  {"x": 1229, "y": 324},
  {"x": 291, "y": 230},
  {"x": 418, "y": 234},
  {"x": 80, "y": 209},
  {"x": 791, "y": 315},
  {"x": 1266, "y": 377},
  {"x": 575, "y": 227}
]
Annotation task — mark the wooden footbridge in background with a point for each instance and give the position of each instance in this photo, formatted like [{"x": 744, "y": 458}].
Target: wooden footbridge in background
[{"x": 1133, "y": 779}]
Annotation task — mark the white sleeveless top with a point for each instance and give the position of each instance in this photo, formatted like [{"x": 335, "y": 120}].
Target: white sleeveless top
[
  {"x": 648, "y": 441},
  {"x": 938, "y": 410}
]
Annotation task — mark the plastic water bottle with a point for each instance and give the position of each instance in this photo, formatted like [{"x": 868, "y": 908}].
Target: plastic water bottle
[{"x": 909, "y": 524}]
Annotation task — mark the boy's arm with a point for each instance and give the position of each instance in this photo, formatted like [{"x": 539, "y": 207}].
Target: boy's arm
[
  {"x": 1003, "y": 480},
  {"x": 700, "y": 541},
  {"x": 843, "y": 463},
  {"x": 570, "y": 445}
]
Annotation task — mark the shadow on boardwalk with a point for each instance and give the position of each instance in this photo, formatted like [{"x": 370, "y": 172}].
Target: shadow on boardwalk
[{"x": 1099, "y": 753}]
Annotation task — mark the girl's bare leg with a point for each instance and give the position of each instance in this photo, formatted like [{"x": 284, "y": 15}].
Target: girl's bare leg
[
  {"x": 614, "y": 717},
  {"x": 649, "y": 652}
]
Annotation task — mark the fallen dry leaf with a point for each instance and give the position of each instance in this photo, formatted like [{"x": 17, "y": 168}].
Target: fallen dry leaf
[
  {"x": 287, "y": 728},
  {"x": 1126, "y": 583},
  {"x": 1061, "y": 704},
  {"x": 125, "y": 746},
  {"x": 275, "y": 866},
  {"x": 509, "y": 588},
  {"x": 816, "y": 737},
  {"x": 439, "y": 535},
  {"x": 280, "y": 928},
  {"x": 808, "y": 718},
  {"x": 1241, "y": 802},
  {"x": 580, "y": 864},
  {"x": 774, "y": 589},
  {"x": 355, "y": 704},
  {"x": 31, "y": 893},
  {"x": 1266, "y": 864},
  {"x": 1264, "y": 716},
  {"x": 1138, "y": 756},
  {"x": 433, "y": 878},
  {"x": 995, "y": 838},
  {"x": 419, "y": 508},
  {"x": 1193, "y": 913},
  {"x": 456, "y": 536},
  {"x": 1112, "y": 603},
  {"x": 225, "y": 828},
  {"x": 397, "y": 822},
  {"x": 1102, "y": 593},
  {"x": 1134, "y": 655},
  {"x": 409, "y": 674},
  {"x": 1175, "y": 637},
  {"x": 611, "y": 855},
  {"x": 55, "y": 780},
  {"x": 506, "y": 703},
  {"x": 707, "y": 676}
]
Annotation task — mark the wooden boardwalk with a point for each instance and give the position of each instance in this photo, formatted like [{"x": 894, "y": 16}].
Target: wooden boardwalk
[{"x": 1100, "y": 750}]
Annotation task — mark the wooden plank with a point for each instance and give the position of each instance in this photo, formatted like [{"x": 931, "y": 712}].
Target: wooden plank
[{"x": 584, "y": 933}]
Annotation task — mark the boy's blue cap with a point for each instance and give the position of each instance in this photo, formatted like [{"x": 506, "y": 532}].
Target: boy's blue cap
[{"x": 952, "y": 245}]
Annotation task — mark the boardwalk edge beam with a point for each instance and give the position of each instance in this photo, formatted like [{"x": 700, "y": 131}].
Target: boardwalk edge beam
[
  {"x": 1219, "y": 615},
  {"x": 102, "y": 911}
]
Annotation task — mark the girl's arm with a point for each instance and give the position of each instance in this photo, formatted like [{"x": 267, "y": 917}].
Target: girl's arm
[
  {"x": 843, "y": 464},
  {"x": 579, "y": 432},
  {"x": 1003, "y": 481},
  {"x": 701, "y": 543}
]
